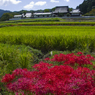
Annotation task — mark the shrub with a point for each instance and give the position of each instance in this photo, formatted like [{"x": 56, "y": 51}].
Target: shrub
[{"x": 13, "y": 56}]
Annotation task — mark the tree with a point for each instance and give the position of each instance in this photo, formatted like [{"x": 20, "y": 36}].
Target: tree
[
  {"x": 23, "y": 12},
  {"x": 91, "y": 13},
  {"x": 39, "y": 10},
  {"x": 86, "y": 6},
  {"x": 53, "y": 9},
  {"x": 46, "y": 10},
  {"x": 6, "y": 16},
  {"x": 70, "y": 9}
]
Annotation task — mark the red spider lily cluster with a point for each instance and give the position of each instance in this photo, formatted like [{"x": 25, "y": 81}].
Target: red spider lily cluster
[
  {"x": 72, "y": 59},
  {"x": 47, "y": 79}
]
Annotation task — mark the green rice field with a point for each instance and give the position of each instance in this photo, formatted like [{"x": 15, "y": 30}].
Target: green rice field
[{"x": 46, "y": 38}]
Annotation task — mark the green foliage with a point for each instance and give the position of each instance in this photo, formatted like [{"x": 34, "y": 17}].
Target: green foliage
[
  {"x": 6, "y": 16},
  {"x": 56, "y": 23},
  {"x": 60, "y": 14},
  {"x": 3, "y": 11},
  {"x": 32, "y": 20},
  {"x": 17, "y": 56},
  {"x": 40, "y": 10},
  {"x": 91, "y": 13},
  {"x": 70, "y": 9},
  {"x": 68, "y": 14},
  {"x": 93, "y": 7},
  {"x": 46, "y": 10},
  {"x": 53, "y": 9},
  {"x": 23, "y": 11},
  {"x": 86, "y": 6}
]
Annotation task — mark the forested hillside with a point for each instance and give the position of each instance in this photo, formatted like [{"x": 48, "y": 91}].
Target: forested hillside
[
  {"x": 86, "y": 6},
  {"x": 3, "y": 11}
]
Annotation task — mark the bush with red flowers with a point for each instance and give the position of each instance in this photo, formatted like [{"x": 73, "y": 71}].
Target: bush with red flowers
[{"x": 47, "y": 79}]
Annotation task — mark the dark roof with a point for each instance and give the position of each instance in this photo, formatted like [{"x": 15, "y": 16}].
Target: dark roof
[
  {"x": 61, "y": 6},
  {"x": 61, "y": 9}
]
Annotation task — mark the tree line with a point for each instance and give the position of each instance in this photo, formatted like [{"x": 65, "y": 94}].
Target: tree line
[{"x": 7, "y": 16}]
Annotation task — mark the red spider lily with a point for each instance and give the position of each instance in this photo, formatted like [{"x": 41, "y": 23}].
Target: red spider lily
[{"x": 57, "y": 80}]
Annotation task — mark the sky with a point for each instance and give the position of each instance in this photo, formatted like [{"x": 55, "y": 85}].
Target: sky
[{"x": 17, "y": 5}]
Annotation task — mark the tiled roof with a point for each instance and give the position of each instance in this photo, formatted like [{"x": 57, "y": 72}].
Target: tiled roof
[
  {"x": 17, "y": 16},
  {"x": 61, "y": 9},
  {"x": 47, "y": 13}
]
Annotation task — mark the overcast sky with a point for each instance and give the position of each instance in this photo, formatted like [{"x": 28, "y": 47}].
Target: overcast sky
[{"x": 17, "y": 5}]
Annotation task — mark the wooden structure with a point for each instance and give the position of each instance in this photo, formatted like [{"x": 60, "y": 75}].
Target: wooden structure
[
  {"x": 28, "y": 15},
  {"x": 46, "y": 14},
  {"x": 19, "y": 16},
  {"x": 75, "y": 12},
  {"x": 61, "y": 10}
]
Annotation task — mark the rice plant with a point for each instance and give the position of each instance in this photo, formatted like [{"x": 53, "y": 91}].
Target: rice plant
[{"x": 47, "y": 38}]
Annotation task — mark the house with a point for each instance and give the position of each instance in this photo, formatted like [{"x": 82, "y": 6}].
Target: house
[
  {"x": 17, "y": 16},
  {"x": 28, "y": 15},
  {"x": 75, "y": 12},
  {"x": 61, "y": 10},
  {"x": 46, "y": 14}
]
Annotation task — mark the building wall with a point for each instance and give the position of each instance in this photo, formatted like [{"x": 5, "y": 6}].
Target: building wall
[
  {"x": 42, "y": 16},
  {"x": 75, "y": 14}
]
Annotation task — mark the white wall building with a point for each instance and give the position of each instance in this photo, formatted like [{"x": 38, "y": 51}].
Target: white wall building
[
  {"x": 47, "y": 14},
  {"x": 59, "y": 10},
  {"x": 17, "y": 16},
  {"x": 75, "y": 12},
  {"x": 28, "y": 15}
]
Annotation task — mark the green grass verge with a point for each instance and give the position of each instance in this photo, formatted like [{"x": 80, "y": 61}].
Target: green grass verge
[{"x": 17, "y": 56}]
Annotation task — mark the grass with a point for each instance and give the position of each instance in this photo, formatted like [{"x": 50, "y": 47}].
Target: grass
[
  {"x": 17, "y": 56},
  {"x": 34, "y": 20},
  {"x": 47, "y": 38}
]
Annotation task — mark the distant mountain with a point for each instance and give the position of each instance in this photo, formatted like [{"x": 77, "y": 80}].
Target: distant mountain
[{"x": 3, "y": 11}]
